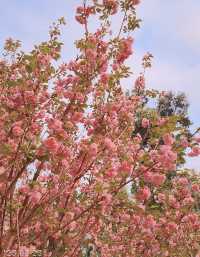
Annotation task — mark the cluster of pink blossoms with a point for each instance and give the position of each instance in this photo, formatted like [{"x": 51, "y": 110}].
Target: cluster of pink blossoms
[{"x": 73, "y": 154}]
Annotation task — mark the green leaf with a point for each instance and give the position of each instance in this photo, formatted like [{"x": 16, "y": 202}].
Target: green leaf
[{"x": 5, "y": 149}]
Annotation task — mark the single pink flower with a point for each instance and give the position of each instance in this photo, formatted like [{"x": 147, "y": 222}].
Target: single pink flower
[
  {"x": 17, "y": 131},
  {"x": 143, "y": 194},
  {"x": 55, "y": 124},
  {"x": 51, "y": 144},
  {"x": 158, "y": 179},
  {"x": 135, "y": 2},
  {"x": 110, "y": 145},
  {"x": 93, "y": 148},
  {"x": 145, "y": 123},
  {"x": 35, "y": 196},
  {"x": 195, "y": 188},
  {"x": 195, "y": 151}
]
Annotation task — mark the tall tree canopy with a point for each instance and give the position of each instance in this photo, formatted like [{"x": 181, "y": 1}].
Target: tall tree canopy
[{"x": 85, "y": 169}]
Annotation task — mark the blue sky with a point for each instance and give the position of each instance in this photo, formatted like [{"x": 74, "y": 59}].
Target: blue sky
[{"x": 170, "y": 31}]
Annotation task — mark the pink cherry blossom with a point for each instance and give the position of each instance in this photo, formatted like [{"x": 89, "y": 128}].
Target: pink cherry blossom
[
  {"x": 93, "y": 149},
  {"x": 86, "y": 168},
  {"x": 168, "y": 139},
  {"x": 17, "y": 131},
  {"x": 110, "y": 145},
  {"x": 51, "y": 144},
  {"x": 145, "y": 123},
  {"x": 143, "y": 194}
]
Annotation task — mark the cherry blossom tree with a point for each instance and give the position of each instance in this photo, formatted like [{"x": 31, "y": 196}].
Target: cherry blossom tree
[{"x": 77, "y": 176}]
